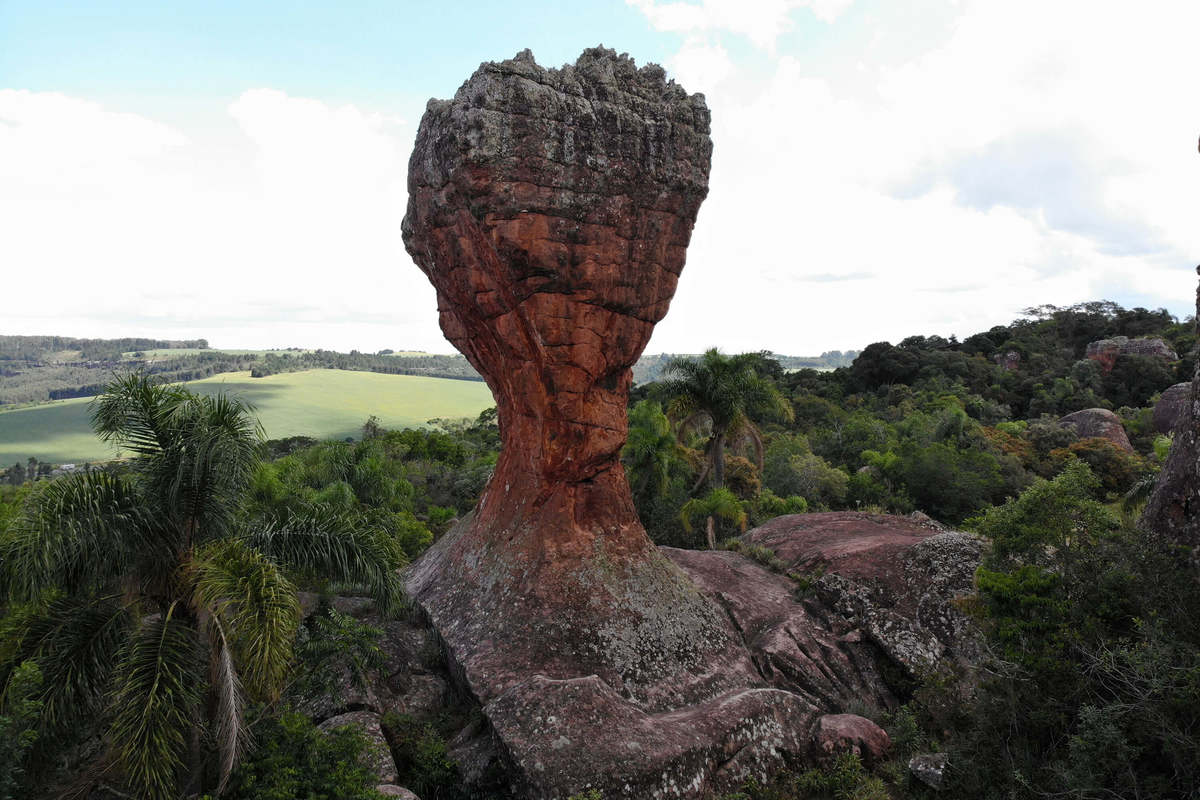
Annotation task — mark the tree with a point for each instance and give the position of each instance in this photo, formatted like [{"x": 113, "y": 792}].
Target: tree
[
  {"x": 722, "y": 391},
  {"x": 151, "y": 604},
  {"x": 650, "y": 449},
  {"x": 717, "y": 503}
]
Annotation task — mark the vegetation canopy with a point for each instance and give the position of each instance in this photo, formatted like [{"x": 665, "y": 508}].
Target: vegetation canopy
[{"x": 152, "y": 605}]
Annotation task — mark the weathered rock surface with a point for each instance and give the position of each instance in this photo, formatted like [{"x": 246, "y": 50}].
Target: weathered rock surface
[
  {"x": 929, "y": 768},
  {"x": 391, "y": 790},
  {"x": 1099, "y": 423},
  {"x": 846, "y": 733},
  {"x": 817, "y": 653},
  {"x": 551, "y": 210},
  {"x": 1173, "y": 510},
  {"x": 828, "y": 662},
  {"x": 1009, "y": 360},
  {"x": 1171, "y": 407},
  {"x": 413, "y": 682},
  {"x": 1106, "y": 351},
  {"x": 893, "y": 579}
]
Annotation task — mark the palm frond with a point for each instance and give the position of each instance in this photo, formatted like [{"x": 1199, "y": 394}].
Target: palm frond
[
  {"x": 134, "y": 413},
  {"x": 720, "y": 503},
  {"x": 323, "y": 544},
  {"x": 156, "y": 703},
  {"x": 80, "y": 531},
  {"x": 230, "y": 730},
  {"x": 201, "y": 477},
  {"x": 255, "y": 606},
  {"x": 75, "y": 642}
]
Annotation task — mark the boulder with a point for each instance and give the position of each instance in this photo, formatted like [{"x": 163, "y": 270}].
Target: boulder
[
  {"x": 847, "y": 733},
  {"x": 551, "y": 210},
  {"x": 1098, "y": 423},
  {"x": 381, "y": 755},
  {"x": 1171, "y": 407},
  {"x": 895, "y": 579},
  {"x": 1106, "y": 351},
  {"x": 929, "y": 768},
  {"x": 1173, "y": 510},
  {"x": 392, "y": 790},
  {"x": 818, "y": 658}
]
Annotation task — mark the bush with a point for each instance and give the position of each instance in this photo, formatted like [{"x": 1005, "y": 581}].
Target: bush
[
  {"x": 423, "y": 763},
  {"x": 294, "y": 759},
  {"x": 18, "y": 727}
]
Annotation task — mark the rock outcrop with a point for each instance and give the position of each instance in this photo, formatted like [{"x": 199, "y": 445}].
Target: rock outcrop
[
  {"x": 1098, "y": 423},
  {"x": 894, "y": 580},
  {"x": 1010, "y": 360},
  {"x": 551, "y": 210},
  {"x": 1171, "y": 407},
  {"x": 1173, "y": 510},
  {"x": 1107, "y": 351}
]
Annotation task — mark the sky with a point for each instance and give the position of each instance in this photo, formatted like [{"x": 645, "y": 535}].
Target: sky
[{"x": 236, "y": 170}]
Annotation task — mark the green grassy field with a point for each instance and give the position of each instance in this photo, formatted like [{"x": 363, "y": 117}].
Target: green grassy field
[{"x": 323, "y": 403}]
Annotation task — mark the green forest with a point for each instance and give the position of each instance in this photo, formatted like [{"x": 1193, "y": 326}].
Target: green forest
[{"x": 135, "y": 594}]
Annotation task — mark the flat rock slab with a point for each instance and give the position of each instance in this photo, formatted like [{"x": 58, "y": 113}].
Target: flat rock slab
[{"x": 852, "y": 544}]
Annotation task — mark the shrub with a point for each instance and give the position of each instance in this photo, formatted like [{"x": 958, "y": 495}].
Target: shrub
[
  {"x": 423, "y": 763},
  {"x": 294, "y": 759}
]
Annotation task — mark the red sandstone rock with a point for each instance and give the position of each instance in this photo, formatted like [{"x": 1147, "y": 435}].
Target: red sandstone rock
[
  {"x": 1171, "y": 407},
  {"x": 1099, "y": 423},
  {"x": 551, "y": 210},
  {"x": 1106, "y": 351}
]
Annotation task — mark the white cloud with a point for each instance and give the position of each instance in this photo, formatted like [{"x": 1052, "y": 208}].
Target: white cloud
[
  {"x": 1022, "y": 152},
  {"x": 1018, "y": 161},
  {"x": 760, "y": 21},
  {"x": 700, "y": 65},
  {"x": 115, "y": 224}
]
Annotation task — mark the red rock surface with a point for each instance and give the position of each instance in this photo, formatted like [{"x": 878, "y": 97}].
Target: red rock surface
[
  {"x": 847, "y": 733},
  {"x": 1106, "y": 351},
  {"x": 1098, "y": 423},
  {"x": 853, "y": 544},
  {"x": 551, "y": 210}
]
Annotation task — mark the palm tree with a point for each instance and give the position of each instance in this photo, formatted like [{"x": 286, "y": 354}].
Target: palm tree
[
  {"x": 717, "y": 503},
  {"x": 650, "y": 448},
  {"x": 722, "y": 391},
  {"x": 151, "y": 604}
]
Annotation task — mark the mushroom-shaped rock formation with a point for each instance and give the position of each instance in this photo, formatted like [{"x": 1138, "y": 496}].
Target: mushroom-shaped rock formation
[
  {"x": 1174, "y": 507},
  {"x": 551, "y": 210}
]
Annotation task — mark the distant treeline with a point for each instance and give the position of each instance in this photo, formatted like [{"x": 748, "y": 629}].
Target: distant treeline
[
  {"x": 25, "y": 382},
  {"x": 35, "y": 369},
  {"x": 649, "y": 367},
  {"x": 46, "y": 348},
  {"x": 455, "y": 367}
]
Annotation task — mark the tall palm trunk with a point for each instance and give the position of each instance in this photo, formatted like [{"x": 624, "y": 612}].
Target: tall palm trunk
[{"x": 718, "y": 460}]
